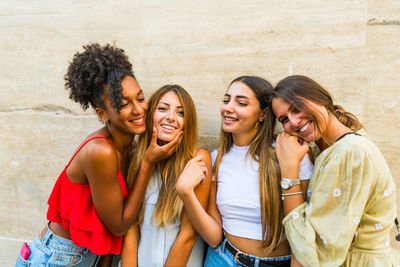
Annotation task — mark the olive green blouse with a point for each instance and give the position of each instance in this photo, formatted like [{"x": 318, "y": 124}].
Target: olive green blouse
[{"x": 350, "y": 209}]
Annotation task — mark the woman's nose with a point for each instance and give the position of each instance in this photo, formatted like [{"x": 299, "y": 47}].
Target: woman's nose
[
  {"x": 294, "y": 120},
  {"x": 228, "y": 106},
  {"x": 137, "y": 109},
  {"x": 170, "y": 115}
]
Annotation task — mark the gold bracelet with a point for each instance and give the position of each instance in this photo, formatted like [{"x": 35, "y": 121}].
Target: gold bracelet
[{"x": 291, "y": 194}]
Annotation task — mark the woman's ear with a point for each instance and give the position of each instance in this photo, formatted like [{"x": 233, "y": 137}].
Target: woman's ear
[
  {"x": 103, "y": 116},
  {"x": 262, "y": 115}
]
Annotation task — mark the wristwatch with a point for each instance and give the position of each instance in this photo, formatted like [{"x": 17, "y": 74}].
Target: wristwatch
[{"x": 288, "y": 183}]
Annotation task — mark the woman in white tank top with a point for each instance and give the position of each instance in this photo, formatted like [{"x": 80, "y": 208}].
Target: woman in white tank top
[
  {"x": 243, "y": 222},
  {"x": 163, "y": 234}
]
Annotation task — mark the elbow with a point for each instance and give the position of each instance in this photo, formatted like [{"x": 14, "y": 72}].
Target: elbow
[
  {"x": 188, "y": 239},
  {"x": 215, "y": 239},
  {"x": 191, "y": 239},
  {"x": 118, "y": 232},
  {"x": 214, "y": 243}
]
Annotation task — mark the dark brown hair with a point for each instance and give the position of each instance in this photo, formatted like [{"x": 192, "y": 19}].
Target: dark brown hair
[
  {"x": 293, "y": 89},
  {"x": 261, "y": 151}
]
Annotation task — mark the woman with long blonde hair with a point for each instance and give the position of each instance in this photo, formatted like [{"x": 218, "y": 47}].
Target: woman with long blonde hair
[
  {"x": 243, "y": 224},
  {"x": 163, "y": 234}
]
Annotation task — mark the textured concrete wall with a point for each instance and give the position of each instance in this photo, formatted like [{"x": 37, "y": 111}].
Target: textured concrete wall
[{"x": 349, "y": 46}]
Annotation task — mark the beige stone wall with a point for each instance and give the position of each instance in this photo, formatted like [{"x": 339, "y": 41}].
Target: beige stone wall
[{"x": 349, "y": 46}]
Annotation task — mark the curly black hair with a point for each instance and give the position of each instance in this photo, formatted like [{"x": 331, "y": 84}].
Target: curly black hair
[{"x": 93, "y": 69}]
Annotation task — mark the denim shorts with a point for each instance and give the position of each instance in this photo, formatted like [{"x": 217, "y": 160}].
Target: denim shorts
[
  {"x": 220, "y": 256},
  {"x": 53, "y": 250}
]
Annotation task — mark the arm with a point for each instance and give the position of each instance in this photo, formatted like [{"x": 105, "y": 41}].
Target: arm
[
  {"x": 101, "y": 168},
  {"x": 106, "y": 260},
  {"x": 290, "y": 153},
  {"x": 322, "y": 230},
  {"x": 305, "y": 168},
  {"x": 304, "y": 187},
  {"x": 208, "y": 225},
  {"x": 129, "y": 254},
  {"x": 294, "y": 262},
  {"x": 184, "y": 242}
]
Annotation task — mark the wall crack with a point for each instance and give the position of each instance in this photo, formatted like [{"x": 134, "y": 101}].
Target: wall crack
[{"x": 375, "y": 22}]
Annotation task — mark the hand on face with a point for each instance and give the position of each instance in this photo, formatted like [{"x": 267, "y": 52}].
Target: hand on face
[
  {"x": 193, "y": 174},
  {"x": 155, "y": 153},
  {"x": 290, "y": 150}
]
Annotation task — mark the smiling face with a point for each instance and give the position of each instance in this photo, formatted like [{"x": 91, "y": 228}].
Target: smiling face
[
  {"x": 132, "y": 115},
  {"x": 240, "y": 113},
  {"x": 168, "y": 117},
  {"x": 298, "y": 122}
]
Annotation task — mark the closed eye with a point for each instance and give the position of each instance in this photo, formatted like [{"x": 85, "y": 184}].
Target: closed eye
[{"x": 283, "y": 120}]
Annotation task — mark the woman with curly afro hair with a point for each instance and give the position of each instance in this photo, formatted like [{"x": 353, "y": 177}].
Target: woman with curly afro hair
[{"x": 90, "y": 207}]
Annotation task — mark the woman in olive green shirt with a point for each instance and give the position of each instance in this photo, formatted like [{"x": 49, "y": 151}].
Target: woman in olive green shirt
[{"x": 350, "y": 207}]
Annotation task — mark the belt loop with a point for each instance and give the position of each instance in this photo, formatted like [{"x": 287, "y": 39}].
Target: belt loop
[
  {"x": 225, "y": 239},
  {"x": 96, "y": 261},
  {"x": 256, "y": 261},
  {"x": 47, "y": 235}
]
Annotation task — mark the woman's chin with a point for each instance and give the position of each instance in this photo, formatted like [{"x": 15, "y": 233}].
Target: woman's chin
[{"x": 164, "y": 139}]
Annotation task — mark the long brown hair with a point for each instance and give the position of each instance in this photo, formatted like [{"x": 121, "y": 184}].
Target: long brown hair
[
  {"x": 168, "y": 205},
  {"x": 293, "y": 89},
  {"x": 261, "y": 151}
]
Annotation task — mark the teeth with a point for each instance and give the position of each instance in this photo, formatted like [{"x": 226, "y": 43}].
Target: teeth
[
  {"x": 305, "y": 127},
  {"x": 229, "y": 119},
  {"x": 138, "y": 120},
  {"x": 168, "y": 127}
]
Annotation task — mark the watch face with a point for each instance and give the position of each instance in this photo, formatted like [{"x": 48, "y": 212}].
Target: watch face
[{"x": 285, "y": 184}]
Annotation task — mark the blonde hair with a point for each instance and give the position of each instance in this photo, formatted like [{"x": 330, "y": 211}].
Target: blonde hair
[
  {"x": 169, "y": 205},
  {"x": 261, "y": 151}
]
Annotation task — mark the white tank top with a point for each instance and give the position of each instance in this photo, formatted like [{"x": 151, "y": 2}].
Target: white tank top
[
  {"x": 156, "y": 242},
  {"x": 238, "y": 193}
]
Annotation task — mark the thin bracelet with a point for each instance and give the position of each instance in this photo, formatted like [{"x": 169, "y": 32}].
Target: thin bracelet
[{"x": 291, "y": 194}]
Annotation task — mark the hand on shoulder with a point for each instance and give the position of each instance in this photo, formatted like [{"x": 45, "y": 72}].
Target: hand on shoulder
[{"x": 194, "y": 173}]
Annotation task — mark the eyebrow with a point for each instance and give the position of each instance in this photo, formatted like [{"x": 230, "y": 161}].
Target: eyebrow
[
  {"x": 238, "y": 96},
  {"x": 138, "y": 94},
  {"x": 168, "y": 104}
]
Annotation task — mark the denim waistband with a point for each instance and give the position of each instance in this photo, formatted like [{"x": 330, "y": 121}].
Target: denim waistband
[
  {"x": 265, "y": 259},
  {"x": 51, "y": 240}
]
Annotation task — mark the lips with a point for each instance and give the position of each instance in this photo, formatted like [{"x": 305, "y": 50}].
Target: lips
[
  {"x": 305, "y": 130},
  {"x": 305, "y": 127},
  {"x": 229, "y": 120},
  {"x": 138, "y": 121},
  {"x": 168, "y": 127}
]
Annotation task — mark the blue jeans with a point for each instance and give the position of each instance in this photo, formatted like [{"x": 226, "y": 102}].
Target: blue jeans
[
  {"x": 220, "y": 256},
  {"x": 53, "y": 250}
]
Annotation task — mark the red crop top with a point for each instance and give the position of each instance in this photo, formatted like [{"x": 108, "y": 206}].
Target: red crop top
[{"x": 71, "y": 206}]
